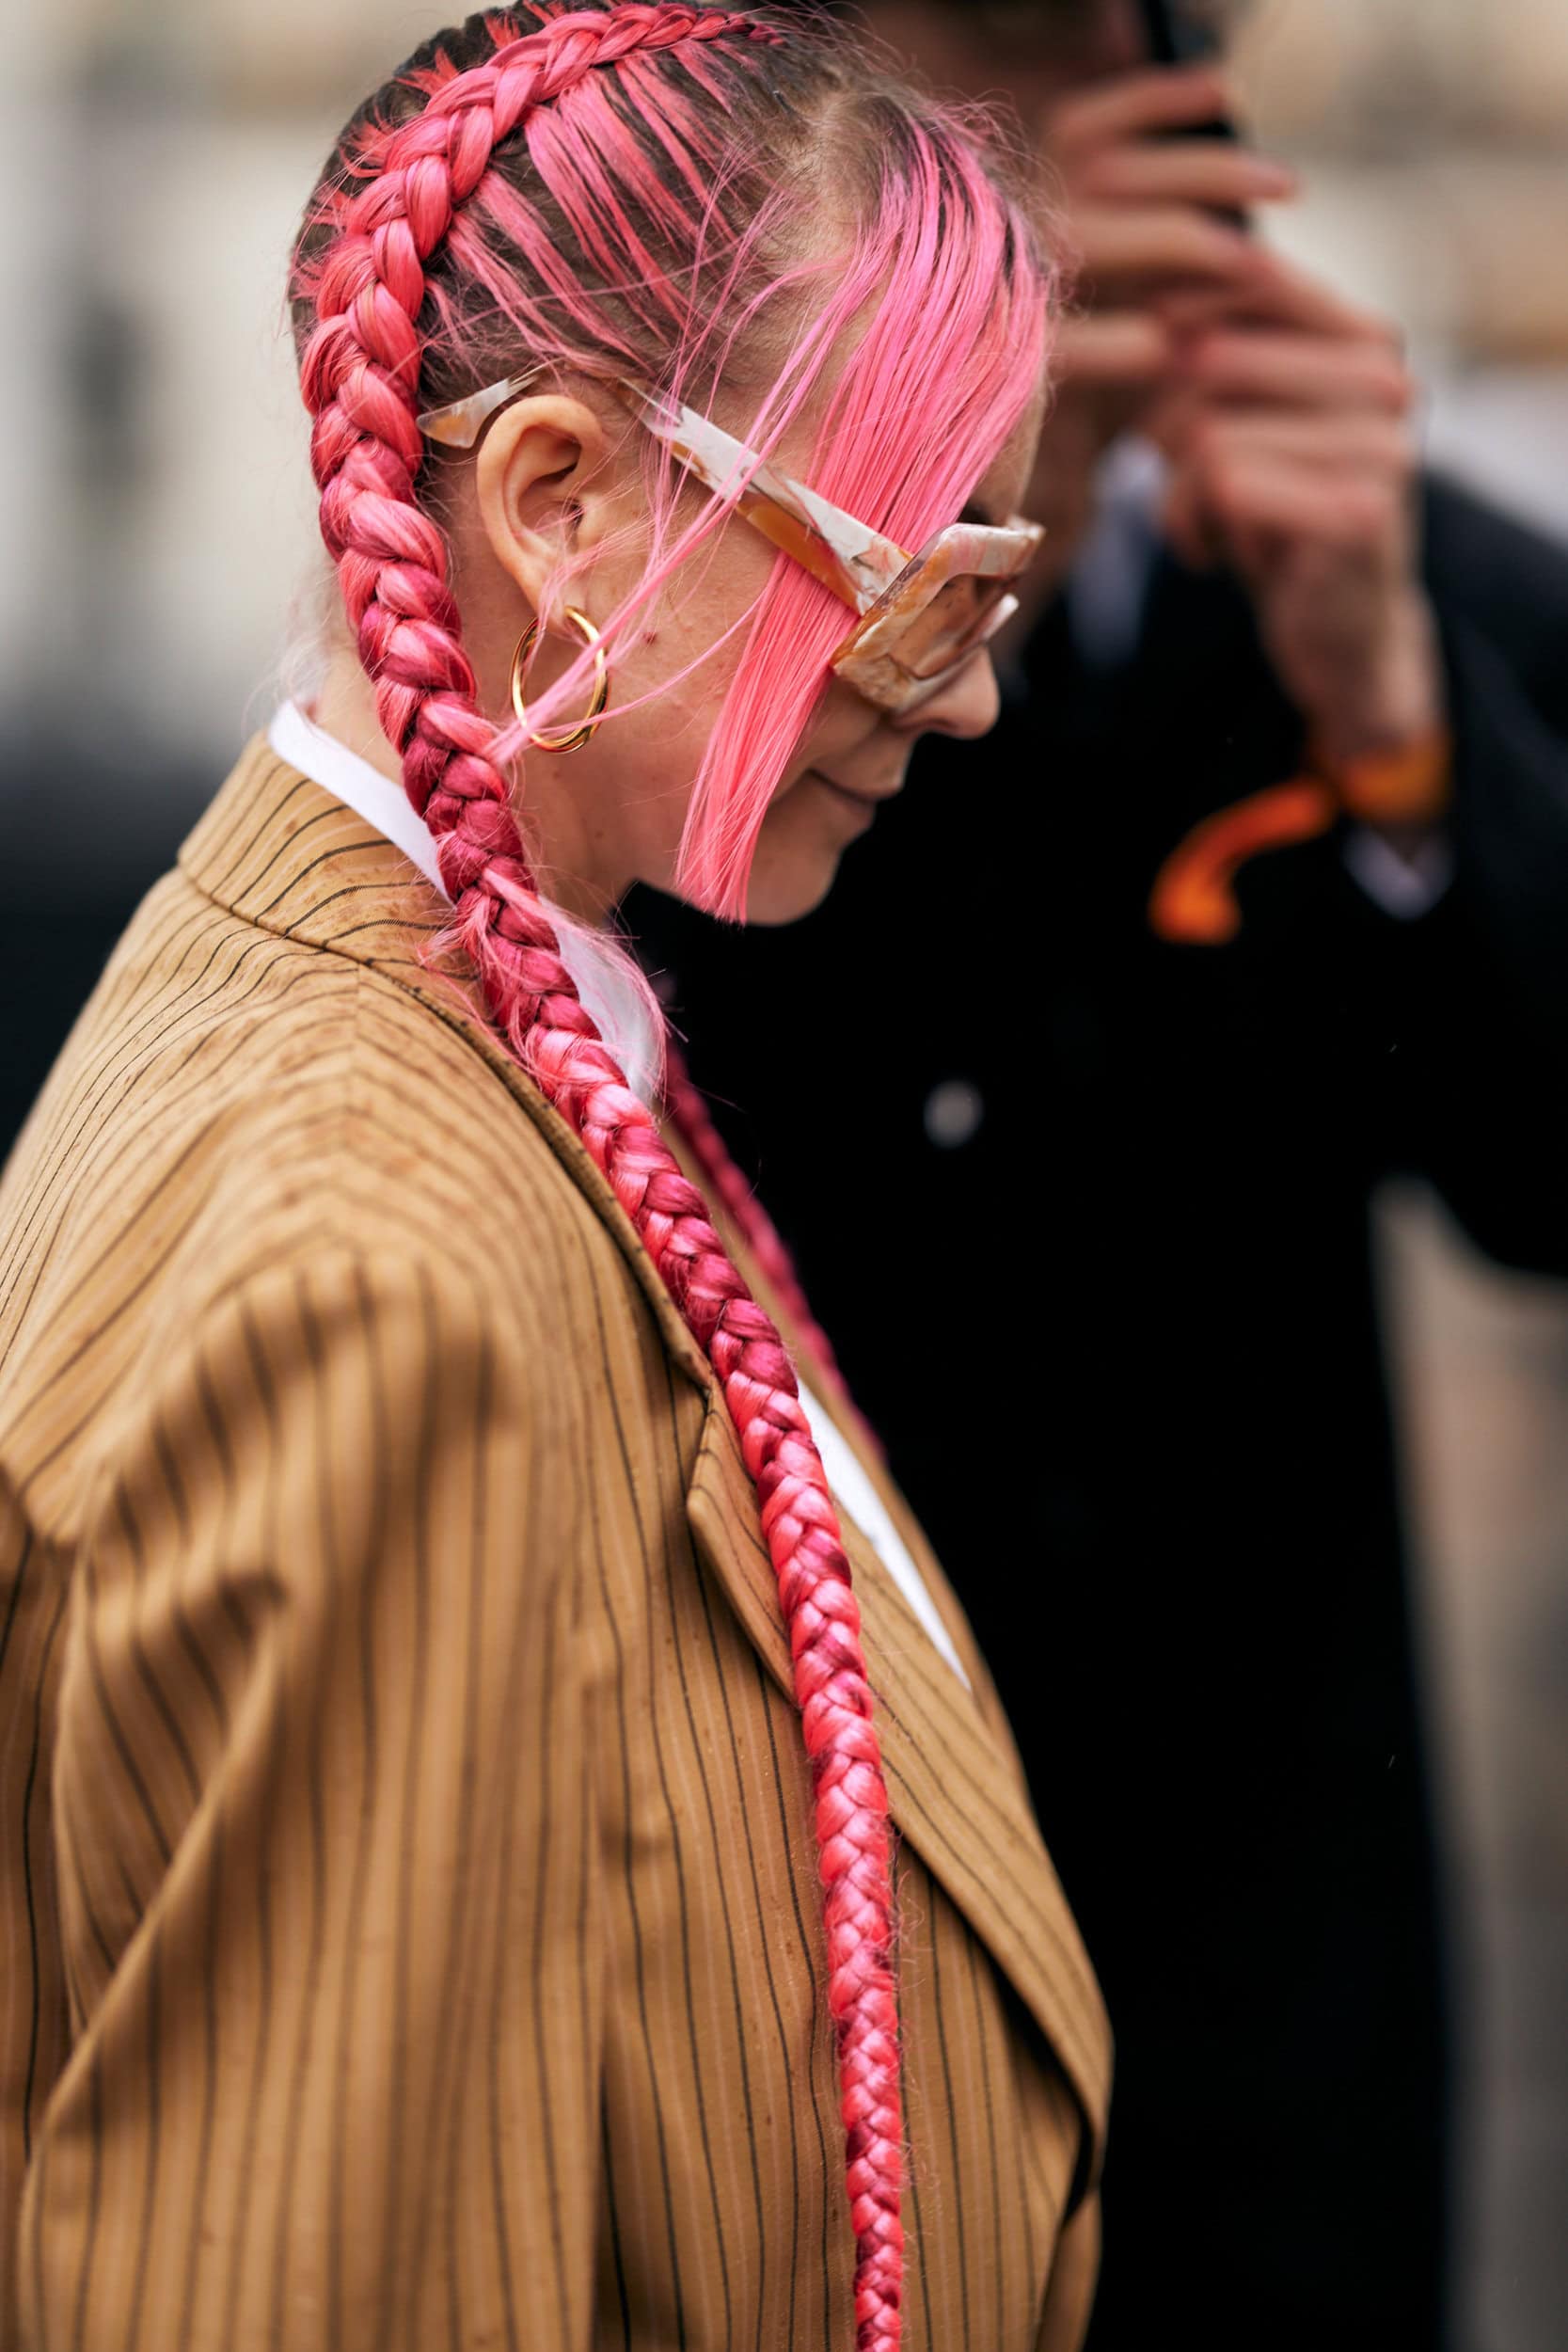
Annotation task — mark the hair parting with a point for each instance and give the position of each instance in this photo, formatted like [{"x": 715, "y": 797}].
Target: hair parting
[{"x": 613, "y": 187}]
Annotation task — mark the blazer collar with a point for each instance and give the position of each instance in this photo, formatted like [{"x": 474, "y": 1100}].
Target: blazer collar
[{"x": 280, "y": 852}]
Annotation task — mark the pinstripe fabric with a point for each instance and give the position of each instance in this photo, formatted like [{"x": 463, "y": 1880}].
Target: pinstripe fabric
[{"x": 408, "y": 1927}]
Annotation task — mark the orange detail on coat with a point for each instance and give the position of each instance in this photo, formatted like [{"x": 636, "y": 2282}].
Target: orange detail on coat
[{"x": 1193, "y": 903}]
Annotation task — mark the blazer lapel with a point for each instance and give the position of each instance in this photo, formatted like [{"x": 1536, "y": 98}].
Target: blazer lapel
[
  {"x": 282, "y": 852},
  {"x": 952, "y": 1788}
]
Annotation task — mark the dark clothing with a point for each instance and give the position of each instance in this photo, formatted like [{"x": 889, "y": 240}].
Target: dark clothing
[
  {"x": 87, "y": 826},
  {"x": 1191, "y": 1407}
]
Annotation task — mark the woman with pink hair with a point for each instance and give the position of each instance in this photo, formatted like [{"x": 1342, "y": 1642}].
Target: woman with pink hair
[{"x": 428, "y": 1525}]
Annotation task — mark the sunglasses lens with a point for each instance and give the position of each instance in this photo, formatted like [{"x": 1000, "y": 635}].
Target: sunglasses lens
[
  {"x": 956, "y": 622},
  {"x": 941, "y": 610}
]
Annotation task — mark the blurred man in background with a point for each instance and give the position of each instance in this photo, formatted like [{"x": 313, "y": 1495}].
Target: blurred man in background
[{"x": 1197, "y": 1065}]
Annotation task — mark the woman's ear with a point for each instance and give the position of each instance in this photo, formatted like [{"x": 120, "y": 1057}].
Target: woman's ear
[{"x": 539, "y": 483}]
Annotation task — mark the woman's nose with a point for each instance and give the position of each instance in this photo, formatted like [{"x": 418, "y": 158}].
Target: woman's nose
[{"x": 970, "y": 704}]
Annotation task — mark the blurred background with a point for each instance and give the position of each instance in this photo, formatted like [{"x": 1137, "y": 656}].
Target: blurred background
[{"x": 157, "y": 521}]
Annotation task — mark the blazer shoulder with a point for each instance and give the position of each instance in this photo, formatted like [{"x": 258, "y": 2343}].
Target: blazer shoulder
[
  {"x": 408, "y": 1148},
  {"x": 235, "y": 1102},
  {"x": 446, "y": 1132}
]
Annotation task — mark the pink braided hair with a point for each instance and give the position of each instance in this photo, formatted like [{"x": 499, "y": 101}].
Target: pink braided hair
[
  {"x": 956, "y": 357},
  {"x": 360, "y": 373}
]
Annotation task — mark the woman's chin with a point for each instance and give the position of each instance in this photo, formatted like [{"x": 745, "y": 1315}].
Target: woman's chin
[
  {"x": 803, "y": 838},
  {"x": 785, "y": 893}
]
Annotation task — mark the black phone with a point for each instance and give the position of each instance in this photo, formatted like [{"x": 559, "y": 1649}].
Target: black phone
[{"x": 1183, "y": 32}]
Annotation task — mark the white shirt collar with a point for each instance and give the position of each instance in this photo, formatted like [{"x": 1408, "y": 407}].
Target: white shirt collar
[
  {"x": 298, "y": 742},
  {"x": 598, "y": 967}
]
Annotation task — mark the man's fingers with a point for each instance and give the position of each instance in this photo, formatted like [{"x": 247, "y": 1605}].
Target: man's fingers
[
  {"x": 1336, "y": 443},
  {"x": 1116, "y": 243},
  {"x": 1248, "y": 494},
  {"x": 1296, "y": 371},
  {"x": 1112, "y": 347},
  {"x": 1275, "y": 292},
  {"x": 1203, "y": 172},
  {"x": 1134, "y": 104}
]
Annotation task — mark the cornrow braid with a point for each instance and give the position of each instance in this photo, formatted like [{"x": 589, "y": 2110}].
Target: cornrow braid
[{"x": 360, "y": 379}]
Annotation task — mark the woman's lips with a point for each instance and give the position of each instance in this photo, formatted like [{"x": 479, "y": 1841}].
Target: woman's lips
[{"x": 862, "y": 799}]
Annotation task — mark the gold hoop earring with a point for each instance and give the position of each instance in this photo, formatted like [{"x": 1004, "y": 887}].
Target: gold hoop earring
[{"x": 571, "y": 739}]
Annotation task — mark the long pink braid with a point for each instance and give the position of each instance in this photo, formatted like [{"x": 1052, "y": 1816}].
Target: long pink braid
[{"x": 361, "y": 380}]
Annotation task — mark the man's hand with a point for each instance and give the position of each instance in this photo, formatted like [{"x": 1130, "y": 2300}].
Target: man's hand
[
  {"x": 1288, "y": 424},
  {"x": 1286, "y": 411},
  {"x": 1145, "y": 210},
  {"x": 1138, "y": 217}
]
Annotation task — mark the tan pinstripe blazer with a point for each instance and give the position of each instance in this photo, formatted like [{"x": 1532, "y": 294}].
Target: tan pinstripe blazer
[{"x": 409, "y": 1928}]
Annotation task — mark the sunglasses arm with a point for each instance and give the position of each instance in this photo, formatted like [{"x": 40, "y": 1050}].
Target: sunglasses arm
[{"x": 857, "y": 564}]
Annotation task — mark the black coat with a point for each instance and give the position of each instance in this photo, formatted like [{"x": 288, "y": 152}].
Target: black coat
[{"x": 1179, "y": 1381}]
